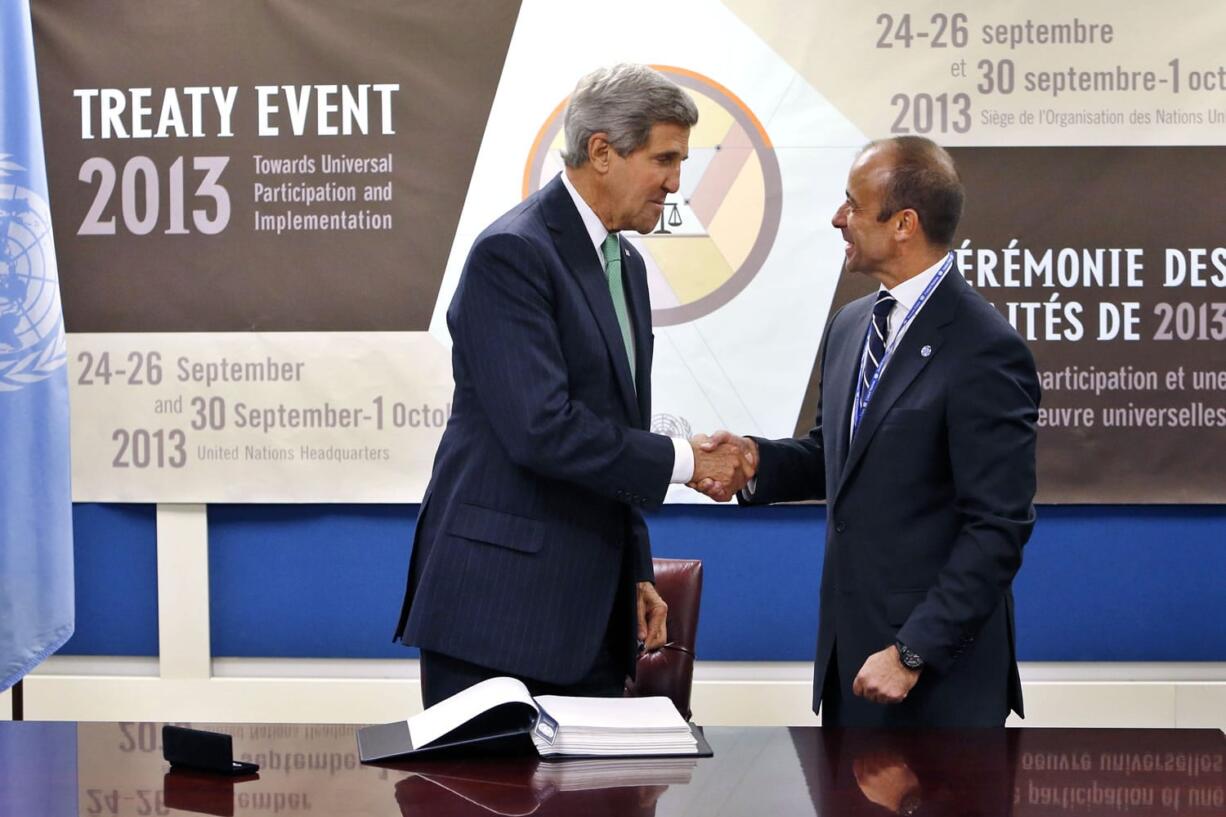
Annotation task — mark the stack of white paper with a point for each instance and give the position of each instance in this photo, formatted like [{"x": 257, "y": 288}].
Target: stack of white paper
[
  {"x": 615, "y": 726},
  {"x": 580, "y": 775}
]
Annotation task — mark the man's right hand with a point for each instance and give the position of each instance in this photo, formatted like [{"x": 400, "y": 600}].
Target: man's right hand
[{"x": 723, "y": 464}]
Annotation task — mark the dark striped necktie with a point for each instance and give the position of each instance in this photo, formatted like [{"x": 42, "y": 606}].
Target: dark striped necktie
[{"x": 877, "y": 335}]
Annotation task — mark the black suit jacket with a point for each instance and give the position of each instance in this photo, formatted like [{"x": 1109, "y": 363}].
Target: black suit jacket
[
  {"x": 531, "y": 524},
  {"x": 928, "y": 507}
]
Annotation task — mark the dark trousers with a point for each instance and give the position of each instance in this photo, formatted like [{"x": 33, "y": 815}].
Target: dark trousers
[
  {"x": 443, "y": 676},
  {"x": 832, "y": 696}
]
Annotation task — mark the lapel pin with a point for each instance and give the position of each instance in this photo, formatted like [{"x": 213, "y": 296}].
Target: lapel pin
[{"x": 926, "y": 351}]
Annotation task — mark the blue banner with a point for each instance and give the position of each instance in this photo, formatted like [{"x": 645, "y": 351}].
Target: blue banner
[{"x": 36, "y": 577}]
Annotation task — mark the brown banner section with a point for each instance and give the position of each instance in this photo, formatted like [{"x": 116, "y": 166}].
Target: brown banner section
[
  {"x": 1110, "y": 261},
  {"x": 261, "y": 166}
]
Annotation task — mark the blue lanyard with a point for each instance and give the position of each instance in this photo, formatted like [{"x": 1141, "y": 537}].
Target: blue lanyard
[{"x": 864, "y": 397}]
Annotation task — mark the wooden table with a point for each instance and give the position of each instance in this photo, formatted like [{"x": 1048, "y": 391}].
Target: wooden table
[{"x": 112, "y": 769}]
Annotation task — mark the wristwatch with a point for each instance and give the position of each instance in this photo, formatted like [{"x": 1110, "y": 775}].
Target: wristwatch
[
  {"x": 909, "y": 658},
  {"x": 910, "y": 804}
]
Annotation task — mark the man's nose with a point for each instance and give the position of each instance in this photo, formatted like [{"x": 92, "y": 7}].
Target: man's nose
[{"x": 839, "y": 220}]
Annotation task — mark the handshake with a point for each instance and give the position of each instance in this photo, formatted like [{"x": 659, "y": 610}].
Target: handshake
[{"x": 723, "y": 464}]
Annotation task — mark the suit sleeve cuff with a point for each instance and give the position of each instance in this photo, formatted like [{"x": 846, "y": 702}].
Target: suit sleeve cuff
[
  {"x": 683, "y": 462},
  {"x": 750, "y": 489}
]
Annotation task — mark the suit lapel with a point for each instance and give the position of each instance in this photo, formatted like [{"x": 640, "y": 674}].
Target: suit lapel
[
  {"x": 570, "y": 236},
  {"x": 635, "y": 276},
  {"x": 839, "y": 377},
  {"x": 906, "y": 364}
]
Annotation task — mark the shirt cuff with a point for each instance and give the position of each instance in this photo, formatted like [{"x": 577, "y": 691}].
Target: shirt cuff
[{"x": 683, "y": 462}]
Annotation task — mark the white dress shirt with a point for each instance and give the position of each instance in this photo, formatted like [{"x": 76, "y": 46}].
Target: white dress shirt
[
  {"x": 683, "y": 459},
  {"x": 905, "y": 296}
]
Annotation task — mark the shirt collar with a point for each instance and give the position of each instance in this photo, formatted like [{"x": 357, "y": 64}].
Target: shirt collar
[
  {"x": 909, "y": 291},
  {"x": 595, "y": 228}
]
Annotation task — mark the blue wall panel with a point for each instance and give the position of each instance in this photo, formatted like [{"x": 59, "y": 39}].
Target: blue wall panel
[
  {"x": 307, "y": 580},
  {"x": 1098, "y": 584},
  {"x": 761, "y": 568},
  {"x": 1124, "y": 584},
  {"x": 116, "y": 577}
]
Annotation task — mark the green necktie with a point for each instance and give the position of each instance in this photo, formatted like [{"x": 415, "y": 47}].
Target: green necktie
[{"x": 613, "y": 268}]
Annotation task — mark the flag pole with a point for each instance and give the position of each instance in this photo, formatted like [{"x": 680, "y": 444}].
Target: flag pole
[{"x": 18, "y": 704}]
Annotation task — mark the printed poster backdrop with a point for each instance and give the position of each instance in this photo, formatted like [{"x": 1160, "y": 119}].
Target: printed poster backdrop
[
  {"x": 253, "y": 201},
  {"x": 261, "y": 210}
]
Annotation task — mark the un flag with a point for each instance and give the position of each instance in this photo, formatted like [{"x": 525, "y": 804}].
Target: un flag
[{"x": 36, "y": 579}]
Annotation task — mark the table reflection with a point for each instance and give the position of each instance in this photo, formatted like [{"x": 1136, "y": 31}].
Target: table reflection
[
  {"x": 1017, "y": 772},
  {"x": 878, "y": 772},
  {"x": 588, "y": 787},
  {"x": 116, "y": 770}
]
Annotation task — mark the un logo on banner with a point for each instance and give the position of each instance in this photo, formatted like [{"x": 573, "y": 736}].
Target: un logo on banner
[
  {"x": 670, "y": 425},
  {"x": 31, "y": 320}
]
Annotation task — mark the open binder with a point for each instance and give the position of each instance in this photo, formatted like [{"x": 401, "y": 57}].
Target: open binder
[{"x": 499, "y": 718}]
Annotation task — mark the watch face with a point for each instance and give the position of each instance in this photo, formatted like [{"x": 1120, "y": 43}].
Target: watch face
[{"x": 909, "y": 659}]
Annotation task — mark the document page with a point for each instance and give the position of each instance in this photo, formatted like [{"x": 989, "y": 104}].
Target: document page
[
  {"x": 448, "y": 715},
  {"x": 615, "y": 727},
  {"x": 636, "y": 714}
]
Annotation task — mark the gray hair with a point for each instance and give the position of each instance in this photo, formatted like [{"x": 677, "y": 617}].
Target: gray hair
[{"x": 624, "y": 101}]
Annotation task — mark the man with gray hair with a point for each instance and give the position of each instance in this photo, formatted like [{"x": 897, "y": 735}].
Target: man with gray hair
[{"x": 531, "y": 556}]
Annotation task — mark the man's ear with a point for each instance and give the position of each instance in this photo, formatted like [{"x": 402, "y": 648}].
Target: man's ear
[
  {"x": 599, "y": 151},
  {"x": 906, "y": 224}
]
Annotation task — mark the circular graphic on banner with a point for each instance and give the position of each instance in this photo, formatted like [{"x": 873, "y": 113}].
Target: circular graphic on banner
[
  {"x": 31, "y": 326},
  {"x": 717, "y": 230}
]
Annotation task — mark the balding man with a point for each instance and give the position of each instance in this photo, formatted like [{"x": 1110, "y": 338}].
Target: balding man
[{"x": 924, "y": 450}]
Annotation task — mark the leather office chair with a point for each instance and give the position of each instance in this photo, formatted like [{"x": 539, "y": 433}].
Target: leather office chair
[{"x": 669, "y": 671}]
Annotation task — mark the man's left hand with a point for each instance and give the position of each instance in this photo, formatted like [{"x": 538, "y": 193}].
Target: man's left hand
[
  {"x": 653, "y": 617},
  {"x": 883, "y": 679}
]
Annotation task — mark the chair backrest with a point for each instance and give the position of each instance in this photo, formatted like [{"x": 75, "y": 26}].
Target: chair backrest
[{"x": 669, "y": 671}]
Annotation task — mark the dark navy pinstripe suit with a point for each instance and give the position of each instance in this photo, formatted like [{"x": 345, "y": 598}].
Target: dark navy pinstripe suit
[{"x": 538, "y": 482}]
